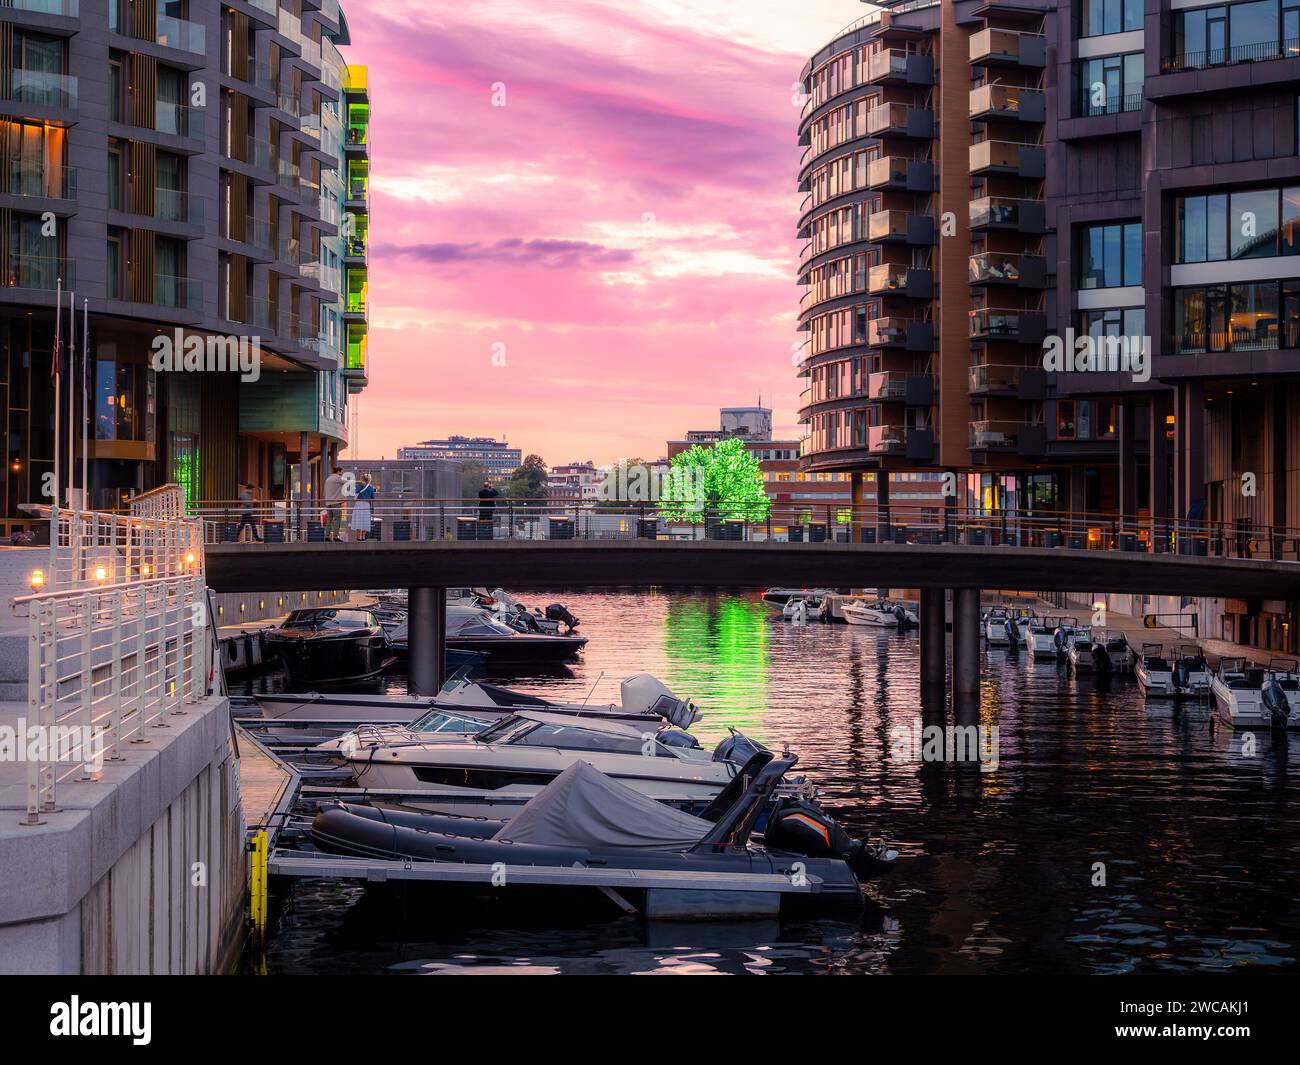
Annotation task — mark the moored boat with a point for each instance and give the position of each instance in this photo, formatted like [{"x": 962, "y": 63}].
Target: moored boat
[
  {"x": 1247, "y": 696},
  {"x": 329, "y": 645}
]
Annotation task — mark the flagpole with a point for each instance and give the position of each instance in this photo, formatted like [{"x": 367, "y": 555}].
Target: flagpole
[
  {"x": 86, "y": 366},
  {"x": 72, "y": 398},
  {"x": 54, "y": 368}
]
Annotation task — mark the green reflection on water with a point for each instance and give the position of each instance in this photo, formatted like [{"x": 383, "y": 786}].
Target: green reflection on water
[{"x": 716, "y": 648}]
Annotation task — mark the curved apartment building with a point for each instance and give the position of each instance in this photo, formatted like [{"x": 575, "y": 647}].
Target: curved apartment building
[{"x": 190, "y": 169}]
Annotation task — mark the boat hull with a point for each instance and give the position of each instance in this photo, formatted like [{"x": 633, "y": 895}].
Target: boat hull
[{"x": 312, "y": 660}]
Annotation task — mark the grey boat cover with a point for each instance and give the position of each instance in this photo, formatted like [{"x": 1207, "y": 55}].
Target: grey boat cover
[{"x": 582, "y": 807}]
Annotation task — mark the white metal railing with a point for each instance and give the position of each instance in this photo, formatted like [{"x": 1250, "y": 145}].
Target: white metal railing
[
  {"x": 94, "y": 549},
  {"x": 120, "y": 638}
]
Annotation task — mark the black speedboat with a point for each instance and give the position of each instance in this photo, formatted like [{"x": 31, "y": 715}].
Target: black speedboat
[
  {"x": 329, "y": 645},
  {"x": 470, "y": 629},
  {"x": 585, "y": 819}
]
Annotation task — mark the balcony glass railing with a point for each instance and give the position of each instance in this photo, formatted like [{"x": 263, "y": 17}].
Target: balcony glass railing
[
  {"x": 891, "y": 63},
  {"x": 179, "y": 293},
  {"x": 885, "y": 332},
  {"x": 1254, "y": 52},
  {"x": 984, "y": 378},
  {"x": 886, "y": 385},
  {"x": 257, "y": 234},
  {"x": 992, "y": 44},
  {"x": 994, "y": 211},
  {"x": 358, "y": 191},
  {"x": 994, "y": 435},
  {"x": 255, "y": 152},
  {"x": 887, "y": 116},
  {"x": 886, "y": 439},
  {"x": 257, "y": 73},
  {"x": 28, "y": 178},
  {"x": 290, "y": 102},
  {"x": 997, "y": 267},
  {"x": 891, "y": 170},
  {"x": 40, "y": 87},
  {"x": 172, "y": 205},
  {"x": 40, "y": 272},
  {"x": 1090, "y": 107},
  {"x": 1002, "y": 99},
  {"x": 887, "y": 277},
  {"x": 67, "y": 8},
  {"x": 180, "y": 120},
  {"x": 992, "y": 322},
  {"x": 996, "y": 155},
  {"x": 885, "y": 224},
  {"x": 178, "y": 33},
  {"x": 256, "y": 312}
]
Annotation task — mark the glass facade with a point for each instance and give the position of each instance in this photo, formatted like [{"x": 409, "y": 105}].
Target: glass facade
[{"x": 1110, "y": 256}]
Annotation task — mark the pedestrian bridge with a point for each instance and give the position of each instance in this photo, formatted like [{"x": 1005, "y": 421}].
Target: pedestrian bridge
[{"x": 538, "y": 564}]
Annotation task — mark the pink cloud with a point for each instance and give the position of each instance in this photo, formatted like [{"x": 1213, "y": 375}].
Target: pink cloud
[{"x": 624, "y": 226}]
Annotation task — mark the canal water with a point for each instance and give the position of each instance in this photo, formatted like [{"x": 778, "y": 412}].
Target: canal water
[{"x": 1102, "y": 835}]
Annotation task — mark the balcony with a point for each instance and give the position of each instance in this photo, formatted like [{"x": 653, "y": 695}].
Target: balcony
[
  {"x": 38, "y": 272},
  {"x": 896, "y": 67},
  {"x": 173, "y": 205},
  {"x": 991, "y": 323},
  {"x": 257, "y": 234},
  {"x": 900, "y": 120},
  {"x": 179, "y": 293},
  {"x": 896, "y": 279},
  {"x": 1007, "y": 268},
  {"x": 910, "y": 334},
  {"x": 178, "y": 33},
  {"x": 1257, "y": 52},
  {"x": 995, "y": 435},
  {"x": 1008, "y": 157},
  {"x": 66, "y": 8},
  {"x": 990, "y": 47},
  {"x": 902, "y": 227},
  {"x": 1090, "y": 107},
  {"x": 254, "y": 152},
  {"x": 886, "y": 439},
  {"x": 1009, "y": 102},
  {"x": 1010, "y": 215},
  {"x": 258, "y": 74},
  {"x": 358, "y": 194},
  {"x": 889, "y": 385},
  {"x": 326, "y": 277},
  {"x": 29, "y": 178},
  {"x": 256, "y": 312},
  {"x": 290, "y": 103},
  {"x": 995, "y": 380},
  {"x": 178, "y": 120},
  {"x": 899, "y": 172},
  {"x": 39, "y": 87}
]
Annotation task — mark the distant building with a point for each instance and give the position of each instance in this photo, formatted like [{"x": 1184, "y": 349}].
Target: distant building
[
  {"x": 408, "y": 478},
  {"x": 500, "y": 459},
  {"x": 577, "y": 482}
]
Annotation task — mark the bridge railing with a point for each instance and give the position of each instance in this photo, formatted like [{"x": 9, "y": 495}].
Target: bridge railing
[{"x": 294, "y": 521}]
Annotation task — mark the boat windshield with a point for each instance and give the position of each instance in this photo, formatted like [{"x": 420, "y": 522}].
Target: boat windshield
[
  {"x": 477, "y": 625},
  {"x": 330, "y": 619},
  {"x": 525, "y": 732},
  {"x": 441, "y": 721}
]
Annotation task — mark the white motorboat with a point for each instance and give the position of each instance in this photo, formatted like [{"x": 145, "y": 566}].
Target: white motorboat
[
  {"x": 995, "y": 626},
  {"x": 778, "y": 597},
  {"x": 519, "y": 755},
  {"x": 1040, "y": 640},
  {"x": 1101, "y": 652},
  {"x": 1180, "y": 674},
  {"x": 1080, "y": 653},
  {"x": 880, "y": 613},
  {"x": 804, "y": 608},
  {"x": 1247, "y": 696}
]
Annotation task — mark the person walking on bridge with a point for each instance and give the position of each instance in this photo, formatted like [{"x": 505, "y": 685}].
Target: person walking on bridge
[
  {"x": 486, "y": 501},
  {"x": 334, "y": 504}
]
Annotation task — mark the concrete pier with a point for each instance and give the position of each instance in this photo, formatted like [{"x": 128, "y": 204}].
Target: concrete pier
[
  {"x": 931, "y": 615},
  {"x": 426, "y": 639},
  {"x": 966, "y": 641}
]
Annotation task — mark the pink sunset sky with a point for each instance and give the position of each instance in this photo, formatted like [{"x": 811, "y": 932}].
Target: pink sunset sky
[{"x": 623, "y": 226}]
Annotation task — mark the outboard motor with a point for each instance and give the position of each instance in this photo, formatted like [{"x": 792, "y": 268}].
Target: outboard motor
[
  {"x": 801, "y": 826},
  {"x": 1100, "y": 658},
  {"x": 558, "y": 612},
  {"x": 1275, "y": 702},
  {"x": 1012, "y": 628},
  {"x": 901, "y": 615},
  {"x": 1181, "y": 677},
  {"x": 674, "y": 737},
  {"x": 737, "y": 749}
]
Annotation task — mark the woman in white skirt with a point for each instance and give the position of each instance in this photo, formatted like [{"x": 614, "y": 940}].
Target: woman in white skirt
[{"x": 361, "y": 521}]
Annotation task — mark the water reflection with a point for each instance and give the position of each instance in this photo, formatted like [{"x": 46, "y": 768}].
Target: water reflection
[{"x": 1193, "y": 832}]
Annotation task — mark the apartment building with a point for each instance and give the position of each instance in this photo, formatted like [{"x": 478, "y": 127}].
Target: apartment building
[
  {"x": 497, "y": 456},
  {"x": 180, "y": 166}
]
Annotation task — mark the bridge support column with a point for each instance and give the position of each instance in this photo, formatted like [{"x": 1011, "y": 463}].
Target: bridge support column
[
  {"x": 965, "y": 641},
  {"x": 426, "y": 624},
  {"x": 933, "y": 639}
]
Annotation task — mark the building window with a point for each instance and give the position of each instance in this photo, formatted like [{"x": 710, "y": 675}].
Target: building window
[
  {"x": 1255, "y": 316},
  {"x": 1235, "y": 33},
  {"x": 1260, "y": 223},
  {"x": 1110, "y": 256},
  {"x": 1100, "y": 17},
  {"x": 1111, "y": 84}
]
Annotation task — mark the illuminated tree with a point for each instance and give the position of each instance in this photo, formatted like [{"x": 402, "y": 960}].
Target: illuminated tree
[{"x": 721, "y": 481}]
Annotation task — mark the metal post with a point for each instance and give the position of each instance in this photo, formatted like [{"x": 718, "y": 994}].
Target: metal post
[
  {"x": 426, "y": 634},
  {"x": 966, "y": 641},
  {"x": 933, "y": 657}
]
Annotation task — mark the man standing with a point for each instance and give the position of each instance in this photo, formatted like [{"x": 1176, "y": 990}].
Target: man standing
[
  {"x": 334, "y": 504},
  {"x": 246, "y": 517},
  {"x": 486, "y": 495}
]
